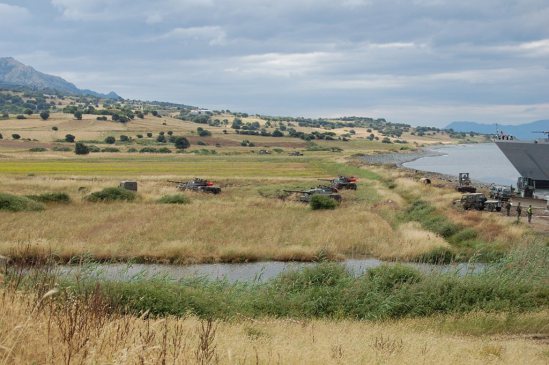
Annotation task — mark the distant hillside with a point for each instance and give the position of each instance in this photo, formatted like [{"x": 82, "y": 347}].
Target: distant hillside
[
  {"x": 14, "y": 73},
  {"x": 522, "y": 131}
]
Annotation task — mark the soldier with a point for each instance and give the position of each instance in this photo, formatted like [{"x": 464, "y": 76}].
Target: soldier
[
  {"x": 529, "y": 213},
  {"x": 519, "y": 212},
  {"x": 508, "y": 208}
]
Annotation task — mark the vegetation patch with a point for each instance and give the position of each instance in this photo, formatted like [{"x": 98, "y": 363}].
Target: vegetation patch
[
  {"x": 174, "y": 199},
  {"x": 38, "y": 149},
  {"x": 322, "y": 202},
  {"x": 111, "y": 194},
  {"x": 51, "y": 198},
  {"x": 14, "y": 203}
]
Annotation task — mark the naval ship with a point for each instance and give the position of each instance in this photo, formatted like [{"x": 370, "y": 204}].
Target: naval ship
[{"x": 531, "y": 160}]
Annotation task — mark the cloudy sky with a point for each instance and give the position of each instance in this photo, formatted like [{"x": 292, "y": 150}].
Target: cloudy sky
[{"x": 418, "y": 61}]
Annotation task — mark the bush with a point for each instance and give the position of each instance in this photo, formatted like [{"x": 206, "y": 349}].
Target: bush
[
  {"x": 103, "y": 118},
  {"x": 14, "y": 203},
  {"x": 54, "y": 128},
  {"x": 70, "y": 138},
  {"x": 201, "y": 143},
  {"x": 124, "y": 138},
  {"x": 164, "y": 150},
  {"x": 51, "y": 198},
  {"x": 110, "y": 140},
  {"x": 44, "y": 115},
  {"x": 38, "y": 149},
  {"x": 1, "y": 136},
  {"x": 139, "y": 136},
  {"x": 93, "y": 148},
  {"x": 110, "y": 149},
  {"x": 78, "y": 115},
  {"x": 149, "y": 134},
  {"x": 174, "y": 199},
  {"x": 20, "y": 116},
  {"x": 15, "y": 136},
  {"x": 81, "y": 149},
  {"x": 111, "y": 194},
  {"x": 181, "y": 143},
  {"x": 161, "y": 138},
  {"x": 387, "y": 277},
  {"x": 132, "y": 149},
  {"x": 61, "y": 149},
  {"x": 322, "y": 202}
]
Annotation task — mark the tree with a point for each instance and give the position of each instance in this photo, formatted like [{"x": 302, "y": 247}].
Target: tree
[
  {"x": 110, "y": 140},
  {"x": 21, "y": 116},
  {"x": 70, "y": 138},
  {"x": 181, "y": 143},
  {"x": 81, "y": 149},
  {"x": 155, "y": 113},
  {"x": 278, "y": 133},
  {"x": 170, "y": 133},
  {"x": 28, "y": 111},
  {"x": 149, "y": 134},
  {"x": 78, "y": 115},
  {"x": 161, "y": 138},
  {"x": 44, "y": 115},
  {"x": 124, "y": 138},
  {"x": 15, "y": 136}
]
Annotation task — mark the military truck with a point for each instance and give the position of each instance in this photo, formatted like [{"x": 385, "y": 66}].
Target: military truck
[
  {"x": 478, "y": 201},
  {"x": 295, "y": 153},
  {"x": 343, "y": 182},
  {"x": 306, "y": 195},
  {"x": 197, "y": 184},
  {"x": 464, "y": 183}
]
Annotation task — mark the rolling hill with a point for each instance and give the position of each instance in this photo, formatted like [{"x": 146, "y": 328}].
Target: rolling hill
[{"x": 522, "y": 131}]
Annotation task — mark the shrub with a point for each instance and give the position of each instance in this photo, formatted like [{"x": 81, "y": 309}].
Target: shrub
[
  {"x": 38, "y": 149},
  {"x": 14, "y": 203},
  {"x": 387, "y": 277},
  {"x": 149, "y": 134},
  {"x": 170, "y": 133},
  {"x": 5, "y": 116},
  {"x": 78, "y": 115},
  {"x": 94, "y": 149},
  {"x": 322, "y": 202},
  {"x": 20, "y": 116},
  {"x": 15, "y": 136},
  {"x": 201, "y": 143},
  {"x": 54, "y": 128},
  {"x": 103, "y": 118},
  {"x": 81, "y": 149},
  {"x": 124, "y": 138},
  {"x": 132, "y": 149},
  {"x": 174, "y": 199},
  {"x": 1, "y": 136},
  {"x": 110, "y": 140},
  {"x": 70, "y": 138},
  {"x": 139, "y": 136},
  {"x": 51, "y": 198},
  {"x": 204, "y": 133},
  {"x": 161, "y": 138},
  {"x": 164, "y": 150},
  {"x": 111, "y": 194}
]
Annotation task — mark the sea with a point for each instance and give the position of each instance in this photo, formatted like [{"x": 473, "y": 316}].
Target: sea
[{"x": 483, "y": 161}]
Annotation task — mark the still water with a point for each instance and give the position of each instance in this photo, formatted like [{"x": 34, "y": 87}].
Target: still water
[
  {"x": 245, "y": 272},
  {"x": 484, "y": 161}
]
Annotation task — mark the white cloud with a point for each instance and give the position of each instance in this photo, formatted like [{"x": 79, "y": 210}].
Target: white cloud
[
  {"x": 12, "y": 14},
  {"x": 214, "y": 35}
]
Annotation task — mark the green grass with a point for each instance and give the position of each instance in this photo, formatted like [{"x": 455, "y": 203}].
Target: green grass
[
  {"x": 111, "y": 194},
  {"x": 174, "y": 199},
  {"x": 51, "y": 198},
  {"x": 176, "y": 164}
]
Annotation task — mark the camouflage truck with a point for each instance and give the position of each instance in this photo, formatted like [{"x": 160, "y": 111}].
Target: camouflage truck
[
  {"x": 197, "y": 184},
  {"x": 306, "y": 195},
  {"x": 343, "y": 182}
]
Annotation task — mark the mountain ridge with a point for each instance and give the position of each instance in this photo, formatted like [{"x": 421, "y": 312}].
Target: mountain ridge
[{"x": 17, "y": 74}]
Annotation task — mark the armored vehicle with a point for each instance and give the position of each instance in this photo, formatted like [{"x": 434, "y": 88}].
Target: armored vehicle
[
  {"x": 500, "y": 192},
  {"x": 464, "y": 184},
  {"x": 343, "y": 182},
  {"x": 295, "y": 153},
  {"x": 306, "y": 195},
  {"x": 197, "y": 184}
]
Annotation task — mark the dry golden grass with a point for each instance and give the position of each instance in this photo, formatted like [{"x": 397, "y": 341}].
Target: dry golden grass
[{"x": 82, "y": 331}]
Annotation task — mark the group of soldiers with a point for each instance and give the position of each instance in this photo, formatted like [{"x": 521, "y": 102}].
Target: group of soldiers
[{"x": 519, "y": 211}]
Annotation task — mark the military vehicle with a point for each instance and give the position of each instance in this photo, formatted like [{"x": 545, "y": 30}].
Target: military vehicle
[
  {"x": 478, "y": 201},
  {"x": 464, "y": 184},
  {"x": 197, "y": 184},
  {"x": 295, "y": 153},
  {"x": 501, "y": 192},
  {"x": 342, "y": 182},
  {"x": 306, "y": 195}
]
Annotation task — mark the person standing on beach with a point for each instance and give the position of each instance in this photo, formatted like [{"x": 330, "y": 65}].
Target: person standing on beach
[
  {"x": 508, "y": 208},
  {"x": 519, "y": 212},
  {"x": 529, "y": 213}
]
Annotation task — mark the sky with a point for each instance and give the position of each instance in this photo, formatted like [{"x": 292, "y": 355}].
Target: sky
[{"x": 423, "y": 62}]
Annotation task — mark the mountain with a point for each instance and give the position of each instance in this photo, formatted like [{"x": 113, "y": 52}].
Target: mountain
[
  {"x": 14, "y": 73},
  {"x": 521, "y": 131}
]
